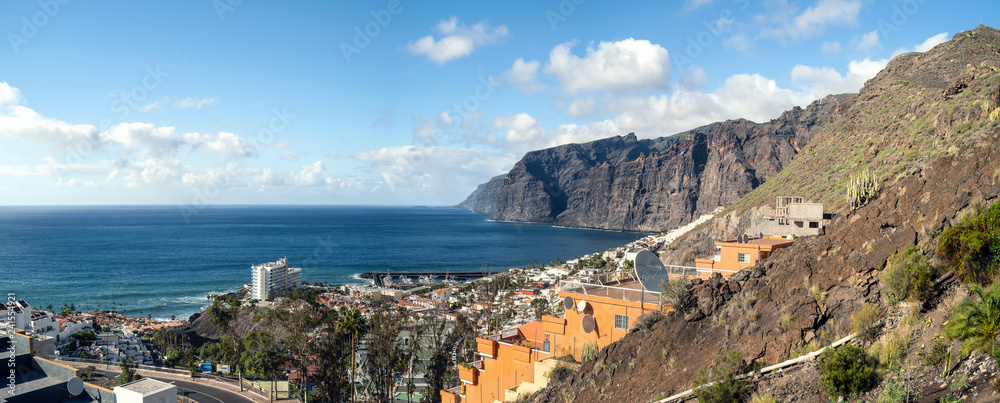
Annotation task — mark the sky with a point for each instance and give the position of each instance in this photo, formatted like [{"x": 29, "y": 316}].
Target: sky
[{"x": 400, "y": 102}]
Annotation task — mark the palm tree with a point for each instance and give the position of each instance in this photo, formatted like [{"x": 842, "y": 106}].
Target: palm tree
[
  {"x": 977, "y": 322},
  {"x": 353, "y": 324}
]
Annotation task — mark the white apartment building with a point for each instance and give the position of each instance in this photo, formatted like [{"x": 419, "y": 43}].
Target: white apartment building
[{"x": 273, "y": 278}]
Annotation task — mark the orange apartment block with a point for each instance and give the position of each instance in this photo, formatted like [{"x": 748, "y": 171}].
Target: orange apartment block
[
  {"x": 598, "y": 310},
  {"x": 733, "y": 256}
]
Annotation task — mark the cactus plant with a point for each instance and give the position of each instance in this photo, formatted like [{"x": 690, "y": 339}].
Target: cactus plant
[{"x": 862, "y": 189}]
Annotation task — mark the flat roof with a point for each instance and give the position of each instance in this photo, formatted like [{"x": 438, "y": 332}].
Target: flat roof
[
  {"x": 146, "y": 386},
  {"x": 762, "y": 241}
]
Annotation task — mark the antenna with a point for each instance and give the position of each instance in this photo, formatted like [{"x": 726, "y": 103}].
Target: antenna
[
  {"x": 582, "y": 306},
  {"x": 568, "y": 302}
]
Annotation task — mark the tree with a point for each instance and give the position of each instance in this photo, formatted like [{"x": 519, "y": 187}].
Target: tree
[
  {"x": 223, "y": 314},
  {"x": 332, "y": 352},
  {"x": 384, "y": 354},
  {"x": 263, "y": 357},
  {"x": 977, "y": 323},
  {"x": 353, "y": 325},
  {"x": 437, "y": 367},
  {"x": 128, "y": 371}
]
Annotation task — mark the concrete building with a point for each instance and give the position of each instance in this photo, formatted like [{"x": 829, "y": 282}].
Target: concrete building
[
  {"x": 272, "y": 279},
  {"x": 34, "y": 378},
  {"x": 146, "y": 390},
  {"x": 792, "y": 216},
  {"x": 733, "y": 256}
]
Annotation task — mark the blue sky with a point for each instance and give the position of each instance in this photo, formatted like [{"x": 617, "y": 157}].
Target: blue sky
[{"x": 406, "y": 102}]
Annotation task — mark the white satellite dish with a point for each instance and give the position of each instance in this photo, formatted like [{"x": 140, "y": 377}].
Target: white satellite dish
[
  {"x": 74, "y": 386},
  {"x": 650, "y": 271},
  {"x": 582, "y": 306},
  {"x": 568, "y": 302}
]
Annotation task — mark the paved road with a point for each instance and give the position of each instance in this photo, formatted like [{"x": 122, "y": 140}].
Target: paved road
[{"x": 196, "y": 391}]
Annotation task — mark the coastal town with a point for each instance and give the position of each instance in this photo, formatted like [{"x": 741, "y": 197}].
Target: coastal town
[{"x": 543, "y": 317}]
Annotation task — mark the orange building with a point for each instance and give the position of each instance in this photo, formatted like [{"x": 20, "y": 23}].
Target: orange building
[
  {"x": 598, "y": 310},
  {"x": 733, "y": 256}
]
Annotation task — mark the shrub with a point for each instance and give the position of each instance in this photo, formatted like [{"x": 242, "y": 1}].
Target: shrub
[
  {"x": 897, "y": 391},
  {"x": 862, "y": 189},
  {"x": 972, "y": 247},
  {"x": 675, "y": 292},
  {"x": 844, "y": 371},
  {"x": 763, "y": 398},
  {"x": 977, "y": 323},
  {"x": 648, "y": 319},
  {"x": 727, "y": 383},
  {"x": 863, "y": 321},
  {"x": 937, "y": 354},
  {"x": 590, "y": 352},
  {"x": 908, "y": 275},
  {"x": 890, "y": 350}
]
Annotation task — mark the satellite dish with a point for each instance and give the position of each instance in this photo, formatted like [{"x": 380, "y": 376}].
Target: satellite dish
[
  {"x": 568, "y": 302},
  {"x": 650, "y": 271},
  {"x": 588, "y": 323},
  {"x": 75, "y": 386},
  {"x": 582, "y": 306}
]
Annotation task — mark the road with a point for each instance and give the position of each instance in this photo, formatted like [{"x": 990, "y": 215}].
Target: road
[{"x": 196, "y": 391}]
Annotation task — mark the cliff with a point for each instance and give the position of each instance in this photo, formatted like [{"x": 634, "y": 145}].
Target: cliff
[
  {"x": 624, "y": 183},
  {"x": 929, "y": 126},
  {"x": 484, "y": 198}
]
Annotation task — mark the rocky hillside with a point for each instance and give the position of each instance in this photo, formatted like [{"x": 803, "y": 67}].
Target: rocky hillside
[
  {"x": 928, "y": 125},
  {"x": 484, "y": 198},
  {"x": 623, "y": 183}
]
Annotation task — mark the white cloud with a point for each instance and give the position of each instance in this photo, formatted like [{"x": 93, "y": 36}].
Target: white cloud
[
  {"x": 524, "y": 75},
  {"x": 739, "y": 42},
  {"x": 311, "y": 175},
  {"x": 457, "y": 40},
  {"x": 695, "y": 4},
  {"x": 822, "y": 81},
  {"x": 195, "y": 103},
  {"x": 932, "y": 42},
  {"x": 830, "y": 47},
  {"x": 412, "y": 168},
  {"x": 625, "y": 65},
  {"x": 869, "y": 41},
  {"x": 813, "y": 21},
  {"x": 144, "y": 140},
  {"x": 23, "y": 123},
  {"x": 227, "y": 146},
  {"x": 581, "y": 108},
  {"x": 446, "y": 119},
  {"x": 289, "y": 155},
  {"x": 693, "y": 78},
  {"x": 521, "y": 128}
]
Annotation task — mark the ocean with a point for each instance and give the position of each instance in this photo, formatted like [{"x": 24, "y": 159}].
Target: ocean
[{"x": 164, "y": 260}]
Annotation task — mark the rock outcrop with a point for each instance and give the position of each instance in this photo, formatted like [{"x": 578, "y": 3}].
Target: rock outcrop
[
  {"x": 484, "y": 198},
  {"x": 624, "y": 183}
]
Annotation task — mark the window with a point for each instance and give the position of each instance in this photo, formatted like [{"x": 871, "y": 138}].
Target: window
[
  {"x": 621, "y": 322},
  {"x": 744, "y": 258},
  {"x": 813, "y": 224}
]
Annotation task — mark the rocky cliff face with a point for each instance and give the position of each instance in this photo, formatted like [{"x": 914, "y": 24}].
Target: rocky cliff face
[
  {"x": 484, "y": 198},
  {"x": 623, "y": 183},
  {"x": 929, "y": 125}
]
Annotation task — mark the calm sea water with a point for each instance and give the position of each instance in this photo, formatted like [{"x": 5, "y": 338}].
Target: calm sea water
[{"x": 154, "y": 260}]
